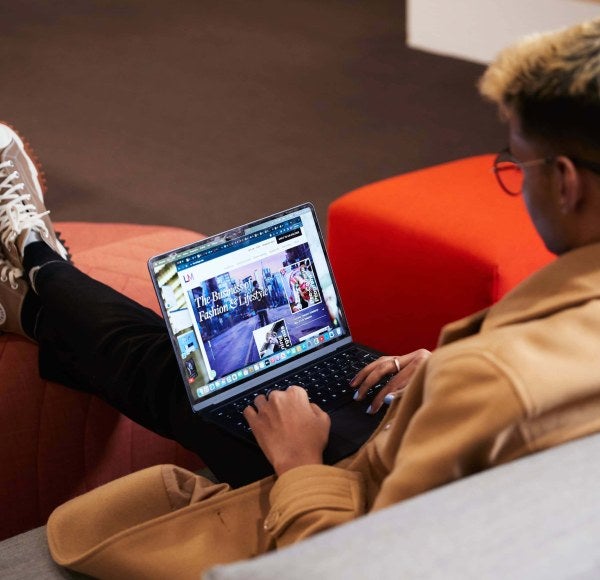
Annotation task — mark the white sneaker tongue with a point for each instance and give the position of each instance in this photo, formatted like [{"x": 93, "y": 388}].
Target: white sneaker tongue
[{"x": 5, "y": 136}]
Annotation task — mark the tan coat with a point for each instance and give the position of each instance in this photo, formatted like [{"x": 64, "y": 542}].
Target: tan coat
[{"x": 521, "y": 377}]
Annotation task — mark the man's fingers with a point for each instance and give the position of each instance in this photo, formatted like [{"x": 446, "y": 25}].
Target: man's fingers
[
  {"x": 275, "y": 398},
  {"x": 297, "y": 391},
  {"x": 259, "y": 401},
  {"x": 400, "y": 366},
  {"x": 396, "y": 385},
  {"x": 363, "y": 373},
  {"x": 372, "y": 374},
  {"x": 319, "y": 412},
  {"x": 380, "y": 398},
  {"x": 251, "y": 415}
]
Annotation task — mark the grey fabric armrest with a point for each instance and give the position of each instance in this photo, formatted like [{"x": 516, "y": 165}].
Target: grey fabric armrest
[
  {"x": 26, "y": 557},
  {"x": 538, "y": 517}
]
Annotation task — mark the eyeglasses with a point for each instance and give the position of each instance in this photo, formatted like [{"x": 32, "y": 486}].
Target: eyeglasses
[{"x": 509, "y": 171}]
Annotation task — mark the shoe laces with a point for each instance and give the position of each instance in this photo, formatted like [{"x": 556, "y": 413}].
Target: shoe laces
[
  {"x": 17, "y": 213},
  {"x": 9, "y": 273}
]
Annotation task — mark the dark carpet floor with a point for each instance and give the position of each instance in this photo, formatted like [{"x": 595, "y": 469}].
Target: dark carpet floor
[{"x": 206, "y": 114}]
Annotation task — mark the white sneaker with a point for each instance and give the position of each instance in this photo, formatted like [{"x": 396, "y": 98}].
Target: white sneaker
[
  {"x": 13, "y": 289},
  {"x": 23, "y": 215}
]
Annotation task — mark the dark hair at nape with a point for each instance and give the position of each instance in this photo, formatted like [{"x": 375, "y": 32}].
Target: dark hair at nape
[{"x": 566, "y": 124}]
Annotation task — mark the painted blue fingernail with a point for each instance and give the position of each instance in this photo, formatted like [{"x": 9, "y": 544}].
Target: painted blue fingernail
[
  {"x": 369, "y": 409},
  {"x": 356, "y": 395},
  {"x": 388, "y": 399}
]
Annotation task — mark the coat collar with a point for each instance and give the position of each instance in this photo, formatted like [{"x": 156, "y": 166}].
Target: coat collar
[{"x": 572, "y": 279}]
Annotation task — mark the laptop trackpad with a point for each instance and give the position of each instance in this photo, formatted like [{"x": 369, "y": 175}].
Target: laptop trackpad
[{"x": 351, "y": 426}]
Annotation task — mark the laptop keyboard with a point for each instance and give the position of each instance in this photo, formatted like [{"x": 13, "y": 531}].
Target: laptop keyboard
[{"x": 326, "y": 382}]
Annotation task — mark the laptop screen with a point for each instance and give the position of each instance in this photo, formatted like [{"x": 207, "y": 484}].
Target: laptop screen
[{"x": 243, "y": 302}]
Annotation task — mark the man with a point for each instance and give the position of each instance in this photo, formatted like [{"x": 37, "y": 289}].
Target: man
[
  {"x": 260, "y": 304},
  {"x": 520, "y": 377}
]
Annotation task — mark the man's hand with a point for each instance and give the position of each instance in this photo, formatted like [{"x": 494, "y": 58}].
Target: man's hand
[
  {"x": 402, "y": 367},
  {"x": 290, "y": 430}
]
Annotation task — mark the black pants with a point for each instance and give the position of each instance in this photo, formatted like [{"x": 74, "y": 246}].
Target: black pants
[{"x": 96, "y": 340}]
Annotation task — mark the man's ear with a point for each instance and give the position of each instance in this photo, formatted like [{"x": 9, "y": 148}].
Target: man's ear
[{"x": 571, "y": 185}]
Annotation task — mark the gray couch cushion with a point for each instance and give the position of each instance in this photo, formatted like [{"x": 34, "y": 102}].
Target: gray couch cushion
[
  {"x": 26, "y": 557},
  {"x": 538, "y": 517}
]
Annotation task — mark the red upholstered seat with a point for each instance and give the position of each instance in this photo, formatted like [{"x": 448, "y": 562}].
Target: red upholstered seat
[
  {"x": 54, "y": 442},
  {"x": 416, "y": 251}
]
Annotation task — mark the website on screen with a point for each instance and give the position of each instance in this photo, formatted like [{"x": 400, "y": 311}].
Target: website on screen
[{"x": 245, "y": 305}]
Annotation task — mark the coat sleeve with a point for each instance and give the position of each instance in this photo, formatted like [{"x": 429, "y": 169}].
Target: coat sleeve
[
  {"x": 470, "y": 418},
  {"x": 312, "y": 498}
]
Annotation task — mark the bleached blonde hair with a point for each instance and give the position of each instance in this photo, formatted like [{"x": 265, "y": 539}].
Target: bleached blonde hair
[{"x": 552, "y": 82}]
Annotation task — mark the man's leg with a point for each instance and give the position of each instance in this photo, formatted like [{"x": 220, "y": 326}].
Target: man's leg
[
  {"x": 264, "y": 317},
  {"x": 120, "y": 351},
  {"x": 91, "y": 337}
]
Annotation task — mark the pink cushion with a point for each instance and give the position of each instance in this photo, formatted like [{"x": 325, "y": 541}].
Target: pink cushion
[
  {"x": 416, "y": 251},
  {"x": 55, "y": 442}
]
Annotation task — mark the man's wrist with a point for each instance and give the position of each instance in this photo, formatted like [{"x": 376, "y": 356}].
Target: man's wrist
[{"x": 289, "y": 463}]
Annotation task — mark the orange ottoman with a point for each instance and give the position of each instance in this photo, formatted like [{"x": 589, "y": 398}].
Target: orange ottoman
[
  {"x": 56, "y": 443},
  {"x": 414, "y": 252}
]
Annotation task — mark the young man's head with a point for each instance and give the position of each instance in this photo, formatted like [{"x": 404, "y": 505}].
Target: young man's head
[{"x": 548, "y": 89}]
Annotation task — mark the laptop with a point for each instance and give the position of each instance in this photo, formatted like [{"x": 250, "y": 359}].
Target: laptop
[{"x": 256, "y": 308}]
